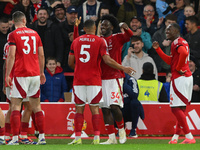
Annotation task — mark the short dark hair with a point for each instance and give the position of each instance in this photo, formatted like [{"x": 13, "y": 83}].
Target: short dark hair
[
  {"x": 89, "y": 23},
  {"x": 176, "y": 26},
  {"x": 193, "y": 19},
  {"x": 171, "y": 17},
  {"x": 3, "y": 20},
  {"x": 42, "y": 8},
  {"x": 51, "y": 58},
  {"x": 112, "y": 19},
  {"x": 17, "y": 16},
  {"x": 147, "y": 68},
  {"x": 136, "y": 38}
]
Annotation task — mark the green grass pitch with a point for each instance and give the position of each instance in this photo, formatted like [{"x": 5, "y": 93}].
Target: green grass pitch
[{"x": 132, "y": 144}]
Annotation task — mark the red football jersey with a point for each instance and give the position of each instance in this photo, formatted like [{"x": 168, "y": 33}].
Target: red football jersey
[
  {"x": 175, "y": 57},
  {"x": 27, "y": 42},
  {"x": 88, "y": 51},
  {"x": 5, "y": 55},
  {"x": 115, "y": 43}
]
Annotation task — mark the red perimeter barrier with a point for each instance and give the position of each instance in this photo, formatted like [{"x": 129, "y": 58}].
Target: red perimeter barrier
[
  {"x": 158, "y": 119},
  {"x": 72, "y": 74}
]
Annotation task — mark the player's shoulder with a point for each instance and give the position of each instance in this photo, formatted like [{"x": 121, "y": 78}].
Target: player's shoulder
[{"x": 180, "y": 41}]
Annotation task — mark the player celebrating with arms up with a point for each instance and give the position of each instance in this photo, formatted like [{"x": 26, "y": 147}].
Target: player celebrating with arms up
[
  {"x": 112, "y": 79},
  {"x": 87, "y": 51},
  {"x": 181, "y": 83}
]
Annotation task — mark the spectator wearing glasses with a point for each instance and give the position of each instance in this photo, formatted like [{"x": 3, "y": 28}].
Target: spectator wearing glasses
[{"x": 150, "y": 23}]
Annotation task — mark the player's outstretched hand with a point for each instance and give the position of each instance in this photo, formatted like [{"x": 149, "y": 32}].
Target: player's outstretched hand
[
  {"x": 155, "y": 45},
  {"x": 123, "y": 25},
  {"x": 8, "y": 81},
  {"x": 129, "y": 71},
  {"x": 77, "y": 21},
  {"x": 42, "y": 78}
]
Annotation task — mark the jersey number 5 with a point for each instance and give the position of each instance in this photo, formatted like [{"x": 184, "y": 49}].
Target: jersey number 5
[
  {"x": 84, "y": 52},
  {"x": 26, "y": 38}
]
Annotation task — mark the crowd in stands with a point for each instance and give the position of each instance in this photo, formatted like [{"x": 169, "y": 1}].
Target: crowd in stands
[{"x": 148, "y": 19}]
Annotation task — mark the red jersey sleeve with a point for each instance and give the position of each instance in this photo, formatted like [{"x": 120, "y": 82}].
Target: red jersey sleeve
[
  {"x": 76, "y": 34},
  {"x": 183, "y": 55},
  {"x": 11, "y": 39},
  {"x": 126, "y": 36},
  {"x": 165, "y": 57},
  {"x": 103, "y": 48}
]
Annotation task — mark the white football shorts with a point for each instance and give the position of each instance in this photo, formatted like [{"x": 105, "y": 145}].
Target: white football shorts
[
  {"x": 25, "y": 87},
  {"x": 91, "y": 94},
  {"x": 112, "y": 93},
  {"x": 181, "y": 91}
]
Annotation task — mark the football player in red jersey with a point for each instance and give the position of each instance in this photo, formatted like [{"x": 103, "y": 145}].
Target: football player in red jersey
[
  {"x": 26, "y": 53},
  {"x": 181, "y": 81},
  {"x": 88, "y": 51},
  {"x": 112, "y": 79}
]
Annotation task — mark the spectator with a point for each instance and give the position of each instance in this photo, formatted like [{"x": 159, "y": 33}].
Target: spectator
[
  {"x": 136, "y": 57},
  {"x": 66, "y": 3},
  {"x": 67, "y": 28},
  {"x": 164, "y": 44},
  {"x": 11, "y": 26},
  {"x": 188, "y": 11},
  {"x": 126, "y": 12},
  {"x": 135, "y": 26},
  {"x": 50, "y": 35},
  {"x": 114, "y": 7},
  {"x": 23, "y": 6},
  {"x": 35, "y": 5},
  {"x": 89, "y": 10},
  {"x": 150, "y": 23},
  {"x": 163, "y": 9},
  {"x": 167, "y": 84},
  {"x": 4, "y": 31},
  {"x": 139, "y": 5},
  {"x": 132, "y": 109},
  {"x": 150, "y": 89},
  {"x": 179, "y": 9},
  {"x": 9, "y": 6},
  {"x": 59, "y": 12},
  {"x": 193, "y": 36},
  {"x": 194, "y": 68},
  {"x": 104, "y": 10},
  {"x": 55, "y": 86}
]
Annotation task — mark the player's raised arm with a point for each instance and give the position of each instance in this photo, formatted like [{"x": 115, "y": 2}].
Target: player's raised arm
[
  {"x": 112, "y": 63},
  {"x": 76, "y": 24},
  {"x": 165, "y": 57}
]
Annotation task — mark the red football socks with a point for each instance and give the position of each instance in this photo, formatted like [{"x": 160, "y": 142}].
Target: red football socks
[
  {"x": 7, "y": 129},
  {"x": 15, "y": 122},
  {"x": 120, "y": 124},
  {"x": 181, "y": 118},
  {"x": 24, "y": 128},
  {"x": 110, "y": 129},
  {"x": 78, "y": 123},
  {"x": 96, "y": 122},
  {"x": 39, "y": 119}
]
